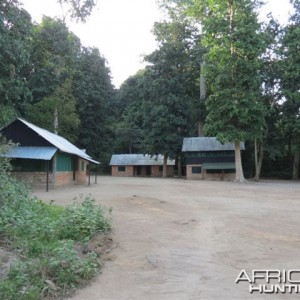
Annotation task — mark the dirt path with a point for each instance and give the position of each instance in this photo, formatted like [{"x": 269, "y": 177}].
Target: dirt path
[{"x": 178, "y": 239}]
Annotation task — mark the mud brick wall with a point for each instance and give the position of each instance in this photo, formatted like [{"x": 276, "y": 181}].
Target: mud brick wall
[
  {"x": 128, "y": 171},
  {"x": 34, "y": 178},
  {"x": 208, "y": 176},
  {"x": 155, "y": 172},
  {"x": 63, "y": 178}
]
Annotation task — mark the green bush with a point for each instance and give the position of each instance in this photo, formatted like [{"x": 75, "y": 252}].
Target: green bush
[
  {"x": 68, "y": 268},
  {"x": 22, "y": 282},
  {"x": 43, "y": 237},
  {"x": 81, "y": 220}
]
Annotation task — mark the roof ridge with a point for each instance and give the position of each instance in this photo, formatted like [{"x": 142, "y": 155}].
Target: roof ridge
[{"x": 57, "y": 141}]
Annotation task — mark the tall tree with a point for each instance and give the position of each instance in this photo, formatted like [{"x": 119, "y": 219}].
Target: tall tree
[
  {"x": 57, "y": 112},
  {"x": 290, "y": 77},
  {"x": 128, "y": 115},
  {"x": 54, "y": 56},
  {"x": 128, "y": 135},
  {"x": 270, "y": 95},
  {"x": 94, "y": 93},
  {"x": 15, "y": 38},
  {"x": 130, "y": 93},
  {"x": 235, "y": 44},
  {"x": 55, "y": 53},
  {"x": 172, "y": 92}
]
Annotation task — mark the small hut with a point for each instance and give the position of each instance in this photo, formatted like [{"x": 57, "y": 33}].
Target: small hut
[
  {"x": 42, "y": 157},
  {"x": 140, "y": 165},
  {"x": 207, "y": 158}
]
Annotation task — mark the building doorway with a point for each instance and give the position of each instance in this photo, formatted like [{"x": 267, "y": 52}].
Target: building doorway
[
  {"x": 138, "y": 170},
  {"x": 148, "y": 171}
]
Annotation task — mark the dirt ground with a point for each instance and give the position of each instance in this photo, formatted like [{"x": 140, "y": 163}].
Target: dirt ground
[{"x": 175, "y": 239}]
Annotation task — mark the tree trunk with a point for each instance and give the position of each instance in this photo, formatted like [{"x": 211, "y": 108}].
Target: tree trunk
[
  {"x": 259, "y": 155},
  {"x": 179, "y": 165},
  {"x": 202, "y": 99},
  {"x": 165, "y": 174},
  {"x": 296, "y": 164},
  {"x": 200, "y": 128},
  {"x": 55, "y": 121},
  {"x": 239, "y": 177}
]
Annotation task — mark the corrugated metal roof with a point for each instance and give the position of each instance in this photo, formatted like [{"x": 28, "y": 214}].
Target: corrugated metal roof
[
  {"x": 59, "y": 142},
  {"x": 43, "y": 153},
  {"x": 219, "y": 166},
  {"x": 139, "y": 160},
  {"x": 206, "y": 144}
]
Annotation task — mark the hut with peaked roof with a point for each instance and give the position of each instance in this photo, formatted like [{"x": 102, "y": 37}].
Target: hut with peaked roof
[
  {"x": 140, "y": 165},
  {"x": 207, "y": 158},
  {"x": 42, "y": 157}
]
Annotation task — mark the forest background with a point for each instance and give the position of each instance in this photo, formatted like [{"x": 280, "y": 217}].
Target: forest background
[{"x": 217, "y": 71}]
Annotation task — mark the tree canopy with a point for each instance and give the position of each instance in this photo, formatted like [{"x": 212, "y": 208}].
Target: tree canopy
[{"x": 248, "y": 89}]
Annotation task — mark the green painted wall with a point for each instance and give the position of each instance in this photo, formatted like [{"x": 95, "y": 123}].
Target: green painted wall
[{"x": 63, "y": 162}]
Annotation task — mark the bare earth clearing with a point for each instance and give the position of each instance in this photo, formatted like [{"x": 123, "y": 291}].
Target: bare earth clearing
[{"x": 177, "y": 239}]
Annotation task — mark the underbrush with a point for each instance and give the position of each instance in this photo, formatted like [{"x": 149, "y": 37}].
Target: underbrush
[{"x": 46, "y": 239}]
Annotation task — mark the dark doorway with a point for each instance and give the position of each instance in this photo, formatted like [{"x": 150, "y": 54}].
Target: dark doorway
[
  {"x": 138, "y": 170},
  {"x": 148, "y": 170}
]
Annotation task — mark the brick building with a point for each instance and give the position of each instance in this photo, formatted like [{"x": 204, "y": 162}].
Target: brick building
[
  {"x": 140, "y": 165},
  {"x": 42, "y": 157},
  {"x": 207, "y": 158}
]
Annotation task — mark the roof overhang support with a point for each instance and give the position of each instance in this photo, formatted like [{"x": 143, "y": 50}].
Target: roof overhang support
[
  {"x": 47, "y": 180},
  {"x": 89, "y": 175},
  {"x": 96, "y": 167}
]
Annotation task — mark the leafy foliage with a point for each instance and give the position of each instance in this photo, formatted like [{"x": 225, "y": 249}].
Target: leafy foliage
[
  {"x": 251, "y": 76},
  {"x": 128, "y": 114},
  {"x": 15, "y": 38},
  {"x": 289, "y": 121},
  {"x": 232, "y": 36},
  {"x": 82, "y": 220},
  {"x": 172, "y": 97},
  {"x": 235, "y": 111},
  {"x": 79, "y": 10},
  {"x": 129, "y": 134},
  {"x": 63, "y": 103},
  {"x": 94, "y": 93},
  {"x": 44, "y": 236}
]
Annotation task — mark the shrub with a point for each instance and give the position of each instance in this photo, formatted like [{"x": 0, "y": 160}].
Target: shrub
[
  {"x": 81, "y": 220},
  {"x": 43, "y": 236},
  {"x": 67, "y": 267}
]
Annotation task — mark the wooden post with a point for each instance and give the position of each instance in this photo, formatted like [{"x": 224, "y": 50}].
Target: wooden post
[
  {"x": 89, "y": 174},
  {"x": 47, "y": 170},
  {"x": 96, "y": 173}
]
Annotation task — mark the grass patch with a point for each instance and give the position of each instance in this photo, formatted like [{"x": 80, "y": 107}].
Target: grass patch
[{"x": 47, "y": 240}]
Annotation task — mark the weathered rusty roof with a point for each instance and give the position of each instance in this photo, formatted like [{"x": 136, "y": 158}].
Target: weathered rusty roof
[
  {"x": 139, "y": 160},
  {"x": 194, "y": 144}
]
